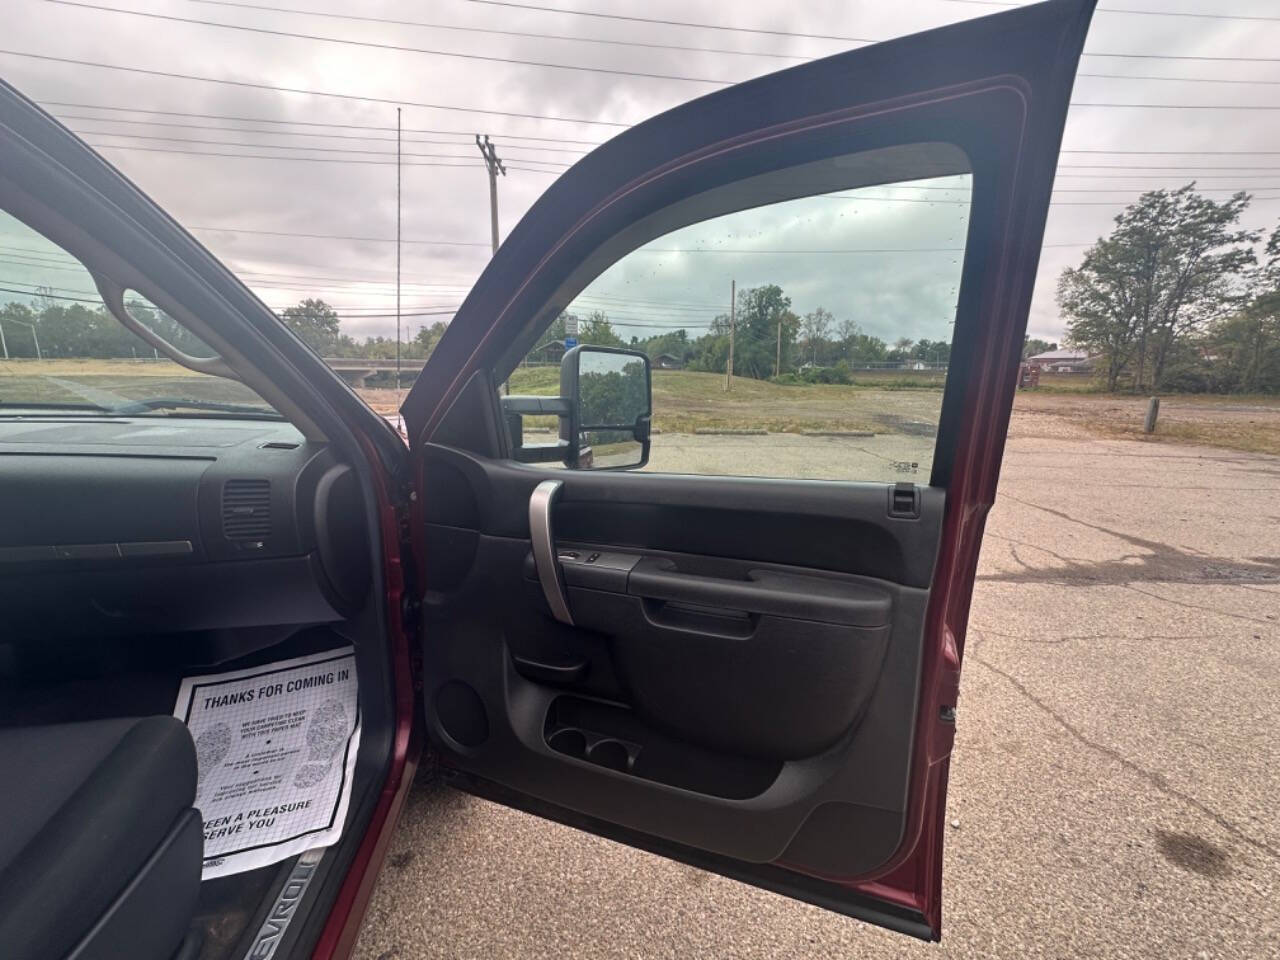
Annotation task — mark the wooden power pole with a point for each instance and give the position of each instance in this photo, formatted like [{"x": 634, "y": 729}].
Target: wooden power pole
[
  {"x": 733, "y": 326},
  {"x": 495, "y": 167},
  {"x": 777, "y": 360}
]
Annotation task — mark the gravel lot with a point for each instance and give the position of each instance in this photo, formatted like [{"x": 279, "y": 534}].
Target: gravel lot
[{"x": 1113, "y": 790}]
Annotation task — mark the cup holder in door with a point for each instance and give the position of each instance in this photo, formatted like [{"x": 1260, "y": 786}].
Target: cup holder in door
[
  {"x": 612, "y": 754},
  {"x": 571, "y": 742}
]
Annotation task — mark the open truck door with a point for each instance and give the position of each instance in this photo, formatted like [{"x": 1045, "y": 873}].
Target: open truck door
[{"x": 758, "y": 677}]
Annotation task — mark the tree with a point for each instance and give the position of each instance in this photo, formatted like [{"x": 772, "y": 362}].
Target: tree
[
  {"x": 1169, "y": 268},
  {"x": 316, "y": 323},
  {"x": 815, "y": 326},
  {"x": 865, "y": 349},
  {"x": 931, "y": 351},
  {"x": 598, "y": 331},
  {"x": 1246, "y": 346},
  {"x": 763, "y": 314},
  {"x": 428, "y": 337},
  {"x": 676, "y": 344},
  {"x": 1032, "y": 346}
]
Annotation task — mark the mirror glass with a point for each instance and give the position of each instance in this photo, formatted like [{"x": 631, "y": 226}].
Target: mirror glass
[
  {"x": 608, "y": 448},
  {"x": 613, "y": 392}
]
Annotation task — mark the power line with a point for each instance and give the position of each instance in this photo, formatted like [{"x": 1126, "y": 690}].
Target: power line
[
  {"x": 335, "y": 236},
  {"x": 822, "y": 36},
  {"x": 1148, "y": 166},
  {"x": 356, "y": 281},
  {"x": 1181, "y": 106},
  {"x": 556, "y": 163},
  {"x": 287, "y": 146},
  {"x": 1140, "y": 13},
  {"x": 503, "y": 33},
  {"x": 360, "y": 138},
  {"x": 356, "y": 312},
  {"x": 1179, "y": 56},
  {"x": 255, "y": 156},
  {"x": 529, "y": 116},
  {"x": 288, "y": 159},
  {"x": 554, "y": 172},
  {"x": 50, "y": 296},
  {"x": 293, "y": 123},
  {"x": 49, "y": 58},
  {"x": 1131, "y": 76},
  {"x": 507, "y": 136},
  {"x": 1179, "y": 153},
  {"x": 47, "y": 258},
  {"x": 266, "y": 31},
  {"x": 671, "y": 23},
  {"x": 259, "y": 156}
]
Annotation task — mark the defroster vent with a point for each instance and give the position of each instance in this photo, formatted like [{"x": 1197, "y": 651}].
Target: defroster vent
[{"x": 246, "y": 509}]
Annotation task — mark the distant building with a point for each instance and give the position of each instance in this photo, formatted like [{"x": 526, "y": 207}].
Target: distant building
[
  {"x": 666, "y": 361},
  {"x": 1062, "y": 361}
]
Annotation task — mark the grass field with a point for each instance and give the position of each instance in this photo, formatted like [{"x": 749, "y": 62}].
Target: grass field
[
  {"x": 880, "y": 402},
  {"x": 686, "y": 402},
  {"x": 111, "y": 382}
]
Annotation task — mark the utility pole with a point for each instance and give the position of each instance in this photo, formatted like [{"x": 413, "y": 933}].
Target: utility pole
[
  {"x": 733, "y": 326},
  {"x": 495, "y": 167},
  {"x": 777, "y": 360},
  {"x": 2, "y": 343}
]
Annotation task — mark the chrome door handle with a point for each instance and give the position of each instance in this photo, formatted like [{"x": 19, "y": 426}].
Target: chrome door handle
[{"x": 544, "y": 548}]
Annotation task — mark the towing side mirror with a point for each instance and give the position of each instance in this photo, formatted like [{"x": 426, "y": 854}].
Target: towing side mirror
[
  {"x": 610, "y": 397},
  {"x": 604, "y": 410}
]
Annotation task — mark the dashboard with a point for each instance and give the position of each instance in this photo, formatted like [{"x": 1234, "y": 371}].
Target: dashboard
[{"x": 118, "y": 526}]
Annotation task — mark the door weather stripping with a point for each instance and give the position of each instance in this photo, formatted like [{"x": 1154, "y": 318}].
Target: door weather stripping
[{"x": 544, "y": 548}]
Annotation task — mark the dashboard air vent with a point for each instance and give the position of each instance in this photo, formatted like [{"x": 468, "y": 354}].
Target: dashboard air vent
[{"x": 246, "y": 509}]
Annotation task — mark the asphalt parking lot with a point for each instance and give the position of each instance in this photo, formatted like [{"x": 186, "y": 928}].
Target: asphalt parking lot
[{"x": 1114, "y": 785}]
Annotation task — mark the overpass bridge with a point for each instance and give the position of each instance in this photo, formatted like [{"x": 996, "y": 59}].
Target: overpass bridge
[{"x": 356, "y": 370}]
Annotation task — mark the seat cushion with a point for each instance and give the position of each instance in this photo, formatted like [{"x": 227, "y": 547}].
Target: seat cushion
[{"x": 87, "y": 809}]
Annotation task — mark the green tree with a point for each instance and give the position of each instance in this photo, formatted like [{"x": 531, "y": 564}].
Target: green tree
[
  {"x": 1032, "y": 346},
  {"x": 1246, "y": 346},
  {"x": 864, "y": 349},
  {"x": 428, "y": 337},
  {"x": 317, "y": 324},
  {"x": 1170, "y": 267},
  {"x": 676, "y": 344},
  {"x": 598, "y": 331},
  {"x": 763, "y": 312}
]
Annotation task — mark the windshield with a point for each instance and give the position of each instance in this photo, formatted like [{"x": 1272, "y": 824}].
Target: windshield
[{"x": 61, "y": 349}]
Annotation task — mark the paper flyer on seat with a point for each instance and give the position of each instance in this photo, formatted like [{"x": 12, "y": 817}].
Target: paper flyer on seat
[{"x": 275, "y": 750}]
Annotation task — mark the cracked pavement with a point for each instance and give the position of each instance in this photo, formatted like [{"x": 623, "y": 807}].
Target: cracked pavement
[{"x": 1113, "y": 786}]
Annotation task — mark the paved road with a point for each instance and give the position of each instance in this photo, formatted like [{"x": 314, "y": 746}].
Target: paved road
[{"x": 1114, "y": 786}]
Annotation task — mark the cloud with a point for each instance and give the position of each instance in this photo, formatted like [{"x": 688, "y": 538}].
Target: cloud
[{"x": 350, "y": 199}]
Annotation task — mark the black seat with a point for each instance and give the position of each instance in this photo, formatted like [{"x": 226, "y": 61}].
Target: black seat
[{"x": 100, "y": 848}]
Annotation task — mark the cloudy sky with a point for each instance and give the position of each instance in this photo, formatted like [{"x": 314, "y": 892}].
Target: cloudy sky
[{"x": 295, "y": 190}]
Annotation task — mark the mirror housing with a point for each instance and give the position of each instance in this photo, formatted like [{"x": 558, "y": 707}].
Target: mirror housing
[
  {"x": 604, "y": 409},
  {"x": 610, "y": 396}
]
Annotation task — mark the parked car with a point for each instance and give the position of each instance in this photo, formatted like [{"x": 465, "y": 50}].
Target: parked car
[{"x": 757, "y": 677}]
